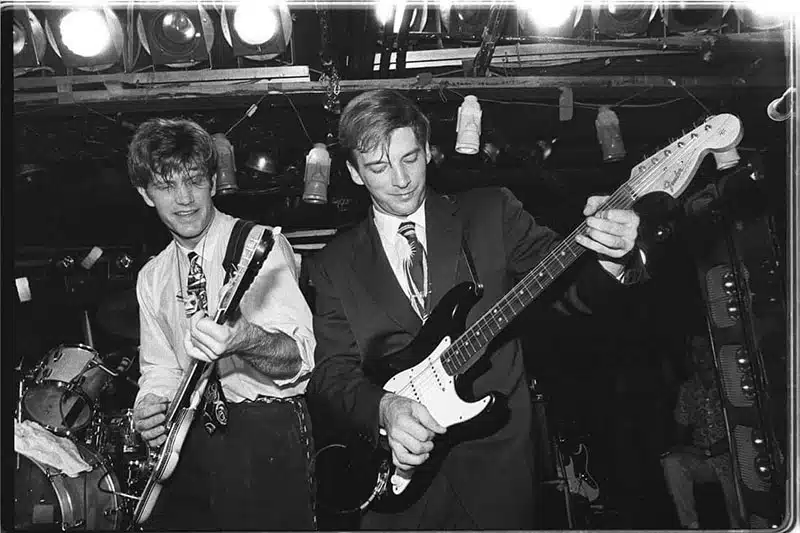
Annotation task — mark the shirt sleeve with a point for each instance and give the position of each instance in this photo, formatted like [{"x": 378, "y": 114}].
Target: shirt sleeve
[
  {"x": 275, "y": 302},
  {"x": 160, "y": 371}
]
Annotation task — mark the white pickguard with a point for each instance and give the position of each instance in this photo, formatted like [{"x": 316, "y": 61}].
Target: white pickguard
[{"x": 429, "y": 384}]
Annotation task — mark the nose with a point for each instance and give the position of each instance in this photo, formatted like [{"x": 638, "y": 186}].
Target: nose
[
  {"x": 400, "y": 177},
  {"x": 184, "y": 194}
]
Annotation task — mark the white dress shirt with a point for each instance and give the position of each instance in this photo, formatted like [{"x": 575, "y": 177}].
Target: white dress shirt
[{"x": 273, "y": 302}]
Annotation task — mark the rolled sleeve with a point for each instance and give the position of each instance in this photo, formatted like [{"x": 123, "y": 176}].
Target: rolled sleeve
[{"x": 275, "y": 303}]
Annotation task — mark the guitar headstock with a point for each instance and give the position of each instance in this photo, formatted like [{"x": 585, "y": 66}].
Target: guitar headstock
[{"x": 672, "y": 168}]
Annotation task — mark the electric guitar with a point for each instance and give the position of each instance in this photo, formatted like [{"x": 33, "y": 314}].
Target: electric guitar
[
  {"x": 161, "y": 463},
  {"x": 579, "y": 480},
  {"x": 427, "y": 369}
]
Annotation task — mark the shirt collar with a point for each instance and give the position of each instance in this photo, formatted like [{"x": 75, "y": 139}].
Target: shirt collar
[{"x": 389, "y": 224}]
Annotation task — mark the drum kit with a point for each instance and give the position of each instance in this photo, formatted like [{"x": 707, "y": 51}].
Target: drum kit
[{"x": 75, "y": 394}]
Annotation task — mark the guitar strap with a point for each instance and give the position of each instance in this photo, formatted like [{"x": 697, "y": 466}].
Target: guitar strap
[
  {"x": 241, "y": 229},
  {"x": 473, "y": 272},
  {"x": 215, "y": 410}
]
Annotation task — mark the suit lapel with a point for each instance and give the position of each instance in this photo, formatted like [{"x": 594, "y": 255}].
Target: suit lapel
[
  {"x": 373, "y": 270},
  {"x": 443, "y": 233}
]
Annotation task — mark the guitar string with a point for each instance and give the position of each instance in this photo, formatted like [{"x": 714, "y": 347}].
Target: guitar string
[
  {"x": 619, "y": 198},
  {"x": 622, "y": 197}
]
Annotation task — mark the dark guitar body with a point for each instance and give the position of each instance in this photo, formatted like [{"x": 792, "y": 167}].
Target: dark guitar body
[{"x": 349, "y": 467}]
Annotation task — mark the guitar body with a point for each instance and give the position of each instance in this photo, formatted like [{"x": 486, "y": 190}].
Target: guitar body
[
  {"x": 417, "y": 373},
  {"x": 165, "y": 464},
  {"x": 579, "y": 480}
]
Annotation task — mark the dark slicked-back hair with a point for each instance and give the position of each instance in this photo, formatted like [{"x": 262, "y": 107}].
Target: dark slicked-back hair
[
  {"x": 371, "y": 117},
  {"x": 162, "y": 147}
]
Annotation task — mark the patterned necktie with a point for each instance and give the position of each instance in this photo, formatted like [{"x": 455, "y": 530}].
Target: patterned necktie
[
  {"x": 215, "y": 411},
  {"x": 414, "y": 268}
]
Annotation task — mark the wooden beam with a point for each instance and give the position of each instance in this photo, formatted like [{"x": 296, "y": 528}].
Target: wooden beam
[
  {"x": 294, "y": 73},
  {"x": 257, "y": 88}
]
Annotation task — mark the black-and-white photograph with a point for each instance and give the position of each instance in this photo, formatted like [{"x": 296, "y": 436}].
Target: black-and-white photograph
[{"x": 341, "y": 265}]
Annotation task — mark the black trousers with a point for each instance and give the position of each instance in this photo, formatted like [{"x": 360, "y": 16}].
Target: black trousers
[{"x": 254, "y": 474}]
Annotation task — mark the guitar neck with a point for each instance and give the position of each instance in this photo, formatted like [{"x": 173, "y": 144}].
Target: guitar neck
[
  {"x": 255, "y": 250},
  {"x": 464, "y": 350},
  {"x": 190, "y": 379}
]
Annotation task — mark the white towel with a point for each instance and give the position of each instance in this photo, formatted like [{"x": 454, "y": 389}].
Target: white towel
[{"x": 34, "y": 441}]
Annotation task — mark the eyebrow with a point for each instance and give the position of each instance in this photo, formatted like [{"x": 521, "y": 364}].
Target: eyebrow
[{"x": 385, "y": 161}]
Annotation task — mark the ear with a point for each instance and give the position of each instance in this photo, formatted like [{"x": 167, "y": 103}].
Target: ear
[
  {"x": 146, "y": 197},
  {"x": 214, "y": 184},
  {"x": 354, "y": 175},
  {"x": 427, "y": 152}
]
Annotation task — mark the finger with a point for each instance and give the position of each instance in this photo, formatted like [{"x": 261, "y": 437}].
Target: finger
[
  {"x": 598, "y": 247},
  {"x": 147, "y": 410},
  {"x": 593, "y": 203},
  {"x": 151, "y": 422},
  {"x": 414, "y": 428},
  {"x": 152, "y": 433},
  {"x": 625, "y": 217},
  {"x": 405, "y": 460},
  {"x": 196, "y": 318},
  {"x": 202, "y": 340},
  {"x": 193, "y": 351},
  {"x": 155, "y": 443},
  {"x": 426, "y": 419},
  {"x": 410, "y": 441},
  {"x": 616, "y": 221},
  {"x": 605, "y": 225}
]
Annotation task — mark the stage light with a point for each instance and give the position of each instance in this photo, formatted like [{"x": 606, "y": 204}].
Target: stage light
[
  {"x": 262, "y": 162},
  {"x": 689, "y": 16},
  {"x": 391, "y": 12},
  {"x": 317, "y": 175},
  {"x": 549, "y": 18},
  {"x": 176, "y": 36},
  {"x": 29, "y": 41},
  {"x": 384, "y": 11},
  {"x": 764, "y": 14},
  {"x": 609, "y": 135},
  {"x": 468, "y": 126},
  {"x": 226, "y": 168},
  {"x": 256, "y": 29},
  {"x": 86, "y": 39},
  {"x": 614, "y": 18}
]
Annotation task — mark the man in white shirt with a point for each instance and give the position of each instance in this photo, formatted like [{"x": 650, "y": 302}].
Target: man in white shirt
[{"x": 245, "y": 464}]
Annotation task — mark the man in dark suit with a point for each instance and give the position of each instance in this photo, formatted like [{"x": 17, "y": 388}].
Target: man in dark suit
[{"x": 372, "y": 300}]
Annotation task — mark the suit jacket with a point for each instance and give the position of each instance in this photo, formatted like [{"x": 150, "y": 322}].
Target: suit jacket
[{"x": 362, "y": 313}]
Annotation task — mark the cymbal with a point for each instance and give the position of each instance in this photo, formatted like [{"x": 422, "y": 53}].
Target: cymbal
[{"x": 119, "y": 314}]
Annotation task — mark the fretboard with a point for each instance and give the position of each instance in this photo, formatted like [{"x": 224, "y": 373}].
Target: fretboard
[{"x": 461, "y": 353}]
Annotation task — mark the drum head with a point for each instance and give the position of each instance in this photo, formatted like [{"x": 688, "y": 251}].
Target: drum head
[
  {"x": 57, "y": 408},
  {"x": 45, "y": 500}
]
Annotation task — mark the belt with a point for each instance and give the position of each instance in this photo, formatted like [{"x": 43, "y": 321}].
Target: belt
[{"x": 274, "y": 399}]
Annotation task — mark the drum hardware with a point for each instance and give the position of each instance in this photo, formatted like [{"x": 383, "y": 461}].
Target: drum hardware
[{"x": 67, "y": 384}]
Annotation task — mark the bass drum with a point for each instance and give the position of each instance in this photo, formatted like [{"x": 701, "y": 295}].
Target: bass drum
[{"x": 47, "y": 500}]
